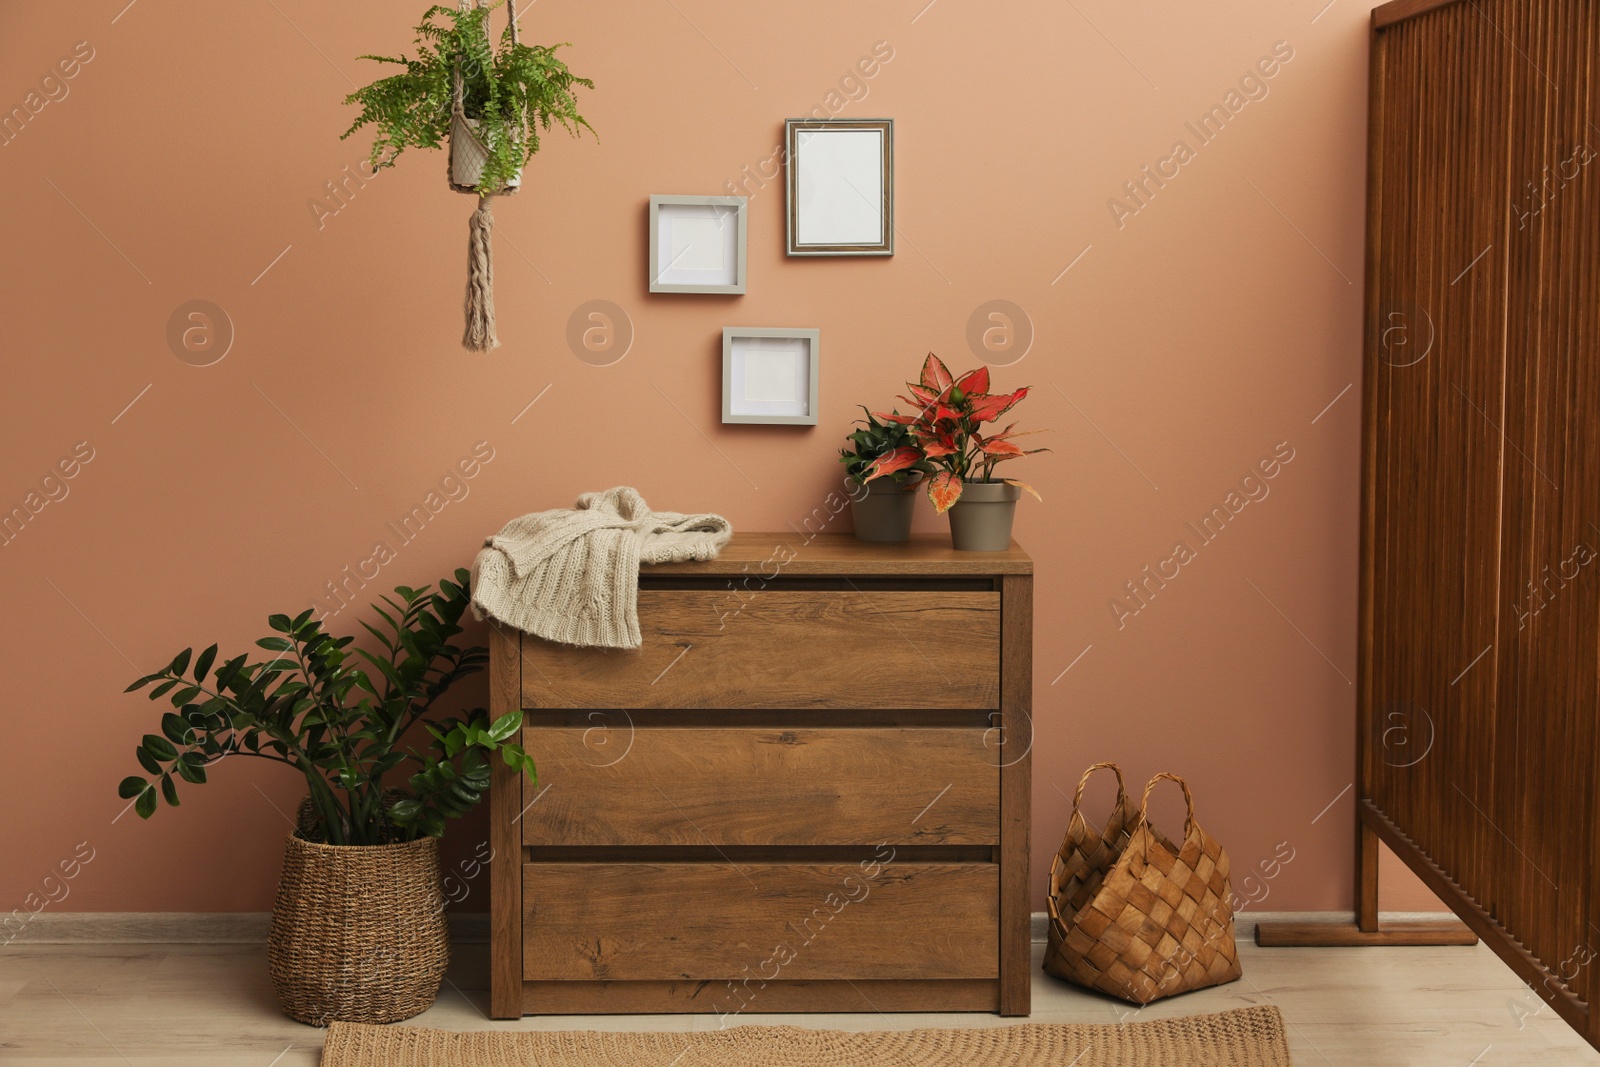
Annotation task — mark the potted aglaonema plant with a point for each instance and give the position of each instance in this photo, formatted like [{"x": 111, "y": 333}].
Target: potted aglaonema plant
[
  {"x": 489, "y": 101},
  {"x": 949, "y": 428},
  {"x": 883, "y": 469},
  {"x": 358, "y": 929}
]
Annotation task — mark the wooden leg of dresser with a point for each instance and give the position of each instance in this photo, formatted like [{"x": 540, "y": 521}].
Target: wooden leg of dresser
[
  {"x": 505, "y": 838},
  {"x": 1016, "y": 792}
]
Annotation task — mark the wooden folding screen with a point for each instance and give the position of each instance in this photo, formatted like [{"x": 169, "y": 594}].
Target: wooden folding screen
[{"x": 1480, "y": 572}]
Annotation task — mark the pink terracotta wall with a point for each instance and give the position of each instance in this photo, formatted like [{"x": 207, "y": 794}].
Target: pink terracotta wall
[{"x": 1177, "y": 342}]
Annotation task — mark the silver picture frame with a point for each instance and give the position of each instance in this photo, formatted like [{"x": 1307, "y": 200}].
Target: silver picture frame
[
  {"x": 698, "y": 244},
  {"x": 771, "y": 375}
]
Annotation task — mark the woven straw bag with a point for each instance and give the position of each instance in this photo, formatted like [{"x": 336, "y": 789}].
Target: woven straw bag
[{"x": 1134, "y": 916}]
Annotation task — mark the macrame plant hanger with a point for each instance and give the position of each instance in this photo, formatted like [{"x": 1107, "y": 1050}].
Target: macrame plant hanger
[{"x": 468, "y": 154}]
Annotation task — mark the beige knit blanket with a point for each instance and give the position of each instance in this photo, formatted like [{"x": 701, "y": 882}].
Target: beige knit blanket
[{"x": 572, "y": 575}]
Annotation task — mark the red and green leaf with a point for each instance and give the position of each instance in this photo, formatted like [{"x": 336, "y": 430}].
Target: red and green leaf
[
  {"x": 974, "y": 382},
  {"x": 889, "y": 462},
  {"x": 935, "y": 375},
  {"x": 994, "y": 446},
  {"x": 988, "y": 408},
  {"x": 942, "y": 445},
  {"x": 944, "y": 489},
  {"x": 895, "y": 416}
]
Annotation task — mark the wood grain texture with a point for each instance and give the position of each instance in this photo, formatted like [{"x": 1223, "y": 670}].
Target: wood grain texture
[
  {"x": 1016, "y": 791},
  {"x": 778, "y": 649},
  {"x": 505, "y": 864},
  {"x": 1348, "y": 935},
  {"x": 699, "y": 921},
  {"x": 1494, "y": 933},
  {"x": 1367, "y": 879},
  {"x": 762, "y": 786},
  {"x": 729, "y": 999},
  {"x": 1395, "y": 11},
  {"x": 755, "y": 556},
  {"x": 1480, "y": 644}
]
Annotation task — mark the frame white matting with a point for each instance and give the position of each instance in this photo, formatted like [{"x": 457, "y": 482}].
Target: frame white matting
[{"x": 770, "y": 375}]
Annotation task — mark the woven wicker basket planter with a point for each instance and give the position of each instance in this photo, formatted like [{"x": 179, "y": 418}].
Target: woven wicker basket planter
[
  {"x": 468, "y": 154},
  {"x": 358, "y": 932}
]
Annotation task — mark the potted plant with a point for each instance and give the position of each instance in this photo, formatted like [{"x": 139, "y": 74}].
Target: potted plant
[
  {"x": 358, "y": 929},
  {"x": 884, "y": 468},
  {"x": 948, "y": 430},
  {"x": 490, "y": 103}
]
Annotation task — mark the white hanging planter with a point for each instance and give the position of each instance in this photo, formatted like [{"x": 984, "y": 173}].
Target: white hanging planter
[{"x": 468, "y": 154}]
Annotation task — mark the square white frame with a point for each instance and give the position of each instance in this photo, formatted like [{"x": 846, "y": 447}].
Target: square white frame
[
  {"x": 731, "y": 213},
  {"x": 797, "y": 132},
  {"x": 739, "y": 408}
]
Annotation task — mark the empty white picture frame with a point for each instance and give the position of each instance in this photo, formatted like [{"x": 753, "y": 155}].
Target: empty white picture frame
[
  {"x": 840, "y": 187},
  {"x": 770, "y": 375},
  {"x": 697, "y": 244}
]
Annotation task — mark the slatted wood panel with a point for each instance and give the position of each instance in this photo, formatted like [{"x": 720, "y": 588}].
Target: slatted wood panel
[
  {"x": 773, "y": 648},
  {"x": 662, "y": 785},
  {"x": 1482, "y": 467}
]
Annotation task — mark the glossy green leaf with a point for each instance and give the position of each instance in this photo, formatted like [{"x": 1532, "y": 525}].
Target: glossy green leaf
[
  {"x": 505, "y": 726},
  {"x": 176, "y": 729},
  {"x": 202, "y": 663},
  {"x": 159, "y": 747}
]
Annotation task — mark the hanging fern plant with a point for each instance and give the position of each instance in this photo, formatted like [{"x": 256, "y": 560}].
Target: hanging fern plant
[
  {"x": 490, "y": 102},
  {"x": 510, "y": 94}
]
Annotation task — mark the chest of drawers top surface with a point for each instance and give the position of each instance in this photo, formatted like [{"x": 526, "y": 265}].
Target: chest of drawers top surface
[{"x": 776, "y": 554}]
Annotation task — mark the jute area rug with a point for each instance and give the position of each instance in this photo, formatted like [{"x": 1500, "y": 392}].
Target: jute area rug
[{"x": 1246, "y": 1037}]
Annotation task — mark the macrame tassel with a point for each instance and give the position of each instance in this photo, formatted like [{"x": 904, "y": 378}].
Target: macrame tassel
[{"x": 480, "y": 335}]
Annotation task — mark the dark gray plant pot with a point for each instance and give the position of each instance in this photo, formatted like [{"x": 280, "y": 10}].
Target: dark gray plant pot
[
  {"x": 883, "y": 512},
  {"x": 981, "y": 520}
]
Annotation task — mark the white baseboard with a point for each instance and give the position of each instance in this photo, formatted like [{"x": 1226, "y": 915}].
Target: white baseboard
[
  {"x": 1244, "y": 922},
  {"x": 176, "y": 928}
]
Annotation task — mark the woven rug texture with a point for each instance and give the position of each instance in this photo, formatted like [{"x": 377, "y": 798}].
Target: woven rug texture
[{"x": 1246, "y": 1037}]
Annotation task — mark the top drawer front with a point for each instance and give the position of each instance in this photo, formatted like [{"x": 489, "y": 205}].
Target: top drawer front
[{"x": 709, "y": 648}]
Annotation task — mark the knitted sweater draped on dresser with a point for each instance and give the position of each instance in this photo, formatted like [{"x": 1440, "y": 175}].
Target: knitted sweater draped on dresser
[{"x": 572, "y": 575}]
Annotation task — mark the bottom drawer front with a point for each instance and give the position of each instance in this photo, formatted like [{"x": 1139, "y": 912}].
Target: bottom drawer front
[{"x": 766, "y": 921}]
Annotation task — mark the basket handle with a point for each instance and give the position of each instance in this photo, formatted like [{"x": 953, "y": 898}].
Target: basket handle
[
  {"x": 1077, "y": 797},
  {"x": 1188, "y": 799}
]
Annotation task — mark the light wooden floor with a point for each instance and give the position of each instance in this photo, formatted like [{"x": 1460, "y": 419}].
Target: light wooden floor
[{"x": 192, "y": 1005}]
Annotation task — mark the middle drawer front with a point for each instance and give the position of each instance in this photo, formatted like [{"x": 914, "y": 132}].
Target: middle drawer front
[
  {"x": 768, "y": 921},
  {"x": 743, "y": 785}
]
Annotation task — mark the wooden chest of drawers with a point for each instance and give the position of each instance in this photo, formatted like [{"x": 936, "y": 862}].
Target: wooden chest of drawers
[{"x": 807, "y": 791}]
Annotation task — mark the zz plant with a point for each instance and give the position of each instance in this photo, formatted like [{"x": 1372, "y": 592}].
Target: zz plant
[
  {"x": 511, "y": 92},
  {"x": 342, "y": 724}
]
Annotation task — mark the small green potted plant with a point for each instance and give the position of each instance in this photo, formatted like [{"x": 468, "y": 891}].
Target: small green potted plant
[
  {"x": 883, "y": 470},
  {"x": 949, "y": 430},
  {"x": 358, "y": 929},
  {"x": 489, "y": 101}
]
